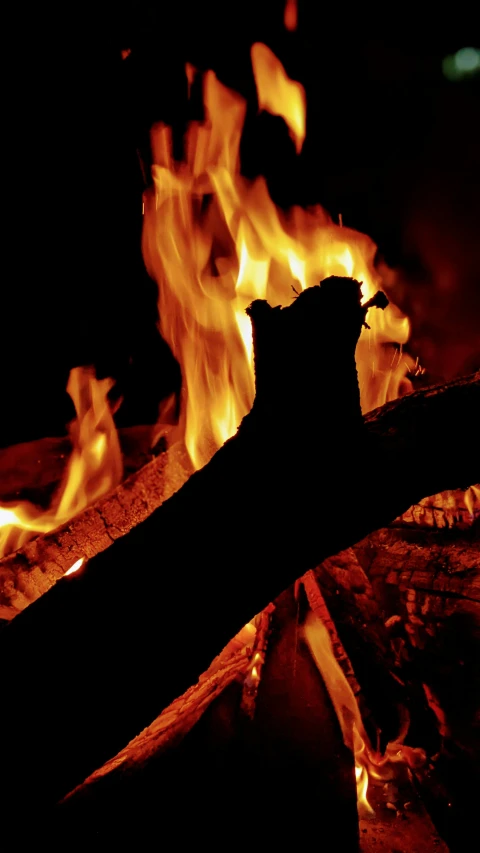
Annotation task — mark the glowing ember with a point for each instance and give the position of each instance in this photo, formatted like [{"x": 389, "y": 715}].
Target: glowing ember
[
  {"x": 368, "y": 762},
  {"x": 76, "y": 566},
  {"x": 215, "y": 241},
  {"x": 257, "y": 661},
  {"x": 94, "y": 467}
]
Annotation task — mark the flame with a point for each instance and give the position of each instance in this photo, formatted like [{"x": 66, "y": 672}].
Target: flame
[
  {"x": 277, "y": 94},
  {"x": 472, "y": 500},
  {"x": 368, "y": 762},
  {"x": 215, "y": 241},
  {"x": 290, "y": 15},
  {"x": 190, "y": 72},
  {"x": 94, "y": 467}
]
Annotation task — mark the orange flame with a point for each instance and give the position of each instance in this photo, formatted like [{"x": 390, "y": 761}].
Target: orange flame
[
  {"x": 94, "y": 467},
  {"x": 277, "y": 94},
  {"x": 368, "y": 762},
  {"x": 190, "y": 72},
  {"x": 215, "y": 241}
]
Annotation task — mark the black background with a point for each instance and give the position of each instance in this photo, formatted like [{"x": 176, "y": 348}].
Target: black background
[{"x": 75, "y": 115}]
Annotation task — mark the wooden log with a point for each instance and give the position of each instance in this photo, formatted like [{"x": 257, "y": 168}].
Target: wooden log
[
  {"x": 427, "y": 586},
  {"x": 379, "y": 830},
  {"x": 174, "y": 723},
  {"x": 400, "y": 821},
  {"x": 455, "y": 508},
  {"x": 227, "y": 537},
  {"x": 418, "y": 650},
  {"x": 358, "y": 621},
  {"x": 262, "y": 776},
  {"x": 33, "y": 569},
  {"x": 147, "y": 769}
]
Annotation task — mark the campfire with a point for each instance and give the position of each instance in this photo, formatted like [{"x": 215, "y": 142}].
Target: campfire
[{"x": 291, "y": 562}]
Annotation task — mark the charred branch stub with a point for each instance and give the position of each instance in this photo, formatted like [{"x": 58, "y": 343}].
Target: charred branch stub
[{"x": 112, "y": 634}]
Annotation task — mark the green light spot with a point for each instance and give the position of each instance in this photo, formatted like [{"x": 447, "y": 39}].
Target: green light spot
[
  {"x": 462, "y": 64},
  {"x": 467, "y": 59}
]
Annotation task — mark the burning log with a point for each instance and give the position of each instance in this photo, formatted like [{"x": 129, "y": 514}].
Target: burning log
[
  {"x": 453, "y": 508},
  {"x": 428, "y": 588},
  {"x": 33, "y": 569},
  {"x": 111, "y": 624},
  {"x": 359, "y": 623}
]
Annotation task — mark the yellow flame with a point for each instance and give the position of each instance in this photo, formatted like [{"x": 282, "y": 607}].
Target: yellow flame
[
  {"x": 94, "y": 467},
  {"x": 368, "y": 762},
  {"x": 215, "y": 241},
  {"x": 277, "y": 94}
]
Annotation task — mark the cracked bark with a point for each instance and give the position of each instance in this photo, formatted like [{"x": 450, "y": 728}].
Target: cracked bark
[
  {"x": 427, "y": 584},
  {"x": 30, "y": 571}
]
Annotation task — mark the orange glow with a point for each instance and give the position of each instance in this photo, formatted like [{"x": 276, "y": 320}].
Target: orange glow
[
  {"x": 94, "y": 467},
  {"x": 190, "y": 72},
  {"x": 214, "y": 241},
  {"x": 368, "y": 762},
  {"x": 290, "y": 16},
  {"x": 277, "y": 94}
]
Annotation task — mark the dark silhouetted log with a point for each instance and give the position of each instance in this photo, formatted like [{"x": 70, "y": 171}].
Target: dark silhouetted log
[
  {"x": 119, "y": 640},
  {"x": 255, "y": 774}
]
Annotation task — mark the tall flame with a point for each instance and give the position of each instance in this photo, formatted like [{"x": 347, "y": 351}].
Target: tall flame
[
  {"x": 94, "y": 467},
  {"x": 368, "y": 762},
  {"x": 215, "y": 241}
]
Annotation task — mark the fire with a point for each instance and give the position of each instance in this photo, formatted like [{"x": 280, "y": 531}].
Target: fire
[
  {"x": 215, "y": 241},
  {"x": 368, "y": 762},
  {"x": 94, "y": 467},
  {"x": 278, "y": 94},
  {"x": 290, "y": 15}
]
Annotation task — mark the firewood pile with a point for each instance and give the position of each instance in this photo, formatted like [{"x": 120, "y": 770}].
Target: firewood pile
[{"x": 106, "y": 712}]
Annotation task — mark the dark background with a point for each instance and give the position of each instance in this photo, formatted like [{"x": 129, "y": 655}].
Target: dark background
[{"x": 75, "y": 115}]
